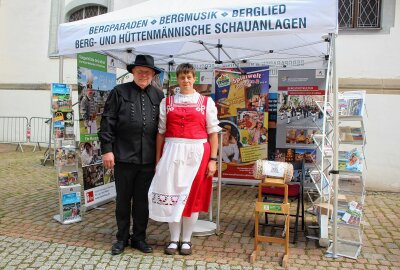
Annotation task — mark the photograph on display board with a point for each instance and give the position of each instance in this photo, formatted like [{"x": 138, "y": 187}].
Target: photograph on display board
[
  {"x": 300, "y": 110},
  {"x": 90, "y": 153},
  {"x": 93, "y": 176},
  {"x": 256, "y": 98},
  {"x": 230, "y": 142},
  {"x": 300, "y": 136},
  {"x": 290, "y": 155},
  {"x": 308, "y": 155},
  {"x": 108, "y": 176},
  {"x": 310, "y": 134},
  {"x": 253, "y": 127},
  {"x": 280, "y": 154},
  {"x": 242, "y": 102}
]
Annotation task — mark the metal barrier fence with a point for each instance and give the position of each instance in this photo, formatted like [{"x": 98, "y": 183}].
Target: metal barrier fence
[
  {"x": 36, "y": 130},
  {"x": 13, "y": 129},
  {"x": 39, "y": 131}
]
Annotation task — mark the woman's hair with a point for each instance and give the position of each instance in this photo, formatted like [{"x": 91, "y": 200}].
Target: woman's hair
[{"x": 185, "y": 68}]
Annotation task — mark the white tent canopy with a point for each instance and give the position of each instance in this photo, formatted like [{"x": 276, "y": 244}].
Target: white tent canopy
[
  {"x": 212, "y": 33},
  {"x": 208, "y": 32}
]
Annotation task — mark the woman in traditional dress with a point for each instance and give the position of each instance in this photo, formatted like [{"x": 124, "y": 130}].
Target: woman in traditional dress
[{"x": 187, "y": 145}]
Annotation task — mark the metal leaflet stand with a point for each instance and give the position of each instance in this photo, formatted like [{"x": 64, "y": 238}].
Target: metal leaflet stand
[
  {"x": 208, "y": 227},
  {"x": 67, "y": 189},
  {"x": 65, "y": 192}
]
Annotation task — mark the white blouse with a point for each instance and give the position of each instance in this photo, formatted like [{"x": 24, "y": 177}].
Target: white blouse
[{"x": 211, "y": 112}]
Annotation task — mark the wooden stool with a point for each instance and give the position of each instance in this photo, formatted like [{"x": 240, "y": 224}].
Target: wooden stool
[{"x": 273, "y": 208}]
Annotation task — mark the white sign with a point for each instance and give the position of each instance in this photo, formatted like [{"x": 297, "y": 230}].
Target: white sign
[{"x": 157, "y": 22}]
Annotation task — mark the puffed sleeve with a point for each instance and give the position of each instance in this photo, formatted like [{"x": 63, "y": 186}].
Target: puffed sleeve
[
  {"x": 162, "y": 120},
  {"x": 211, "y": 117}
]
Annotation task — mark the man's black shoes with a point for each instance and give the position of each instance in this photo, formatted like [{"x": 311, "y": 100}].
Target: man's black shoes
[
  {"x": 142, "y": 246},
  {"x": 118, "y": 247}
]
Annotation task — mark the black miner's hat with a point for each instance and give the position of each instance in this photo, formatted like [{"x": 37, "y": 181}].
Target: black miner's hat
[{"x": 143, "y": 61}]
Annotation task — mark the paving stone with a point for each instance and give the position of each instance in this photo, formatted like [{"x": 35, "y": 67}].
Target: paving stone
[{"x": 37, "y": 241}]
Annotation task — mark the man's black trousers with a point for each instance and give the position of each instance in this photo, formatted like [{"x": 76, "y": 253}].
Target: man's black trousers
[{"x": 132, "y": 182}]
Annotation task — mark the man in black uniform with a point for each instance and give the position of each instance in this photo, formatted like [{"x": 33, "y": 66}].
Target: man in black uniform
[{"x": 128, "y": 130}]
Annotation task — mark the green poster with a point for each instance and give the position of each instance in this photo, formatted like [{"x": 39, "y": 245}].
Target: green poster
[{"x": 92, "y": 60}]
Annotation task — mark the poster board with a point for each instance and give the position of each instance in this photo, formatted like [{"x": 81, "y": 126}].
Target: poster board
[
  {"x": 96, "y": 78},
  {"x": 241, "y": 98},
  {"x": 298, "y": 116}
]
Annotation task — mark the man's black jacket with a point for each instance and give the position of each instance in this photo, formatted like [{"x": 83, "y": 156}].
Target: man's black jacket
[{"x": 128, "y": 126}]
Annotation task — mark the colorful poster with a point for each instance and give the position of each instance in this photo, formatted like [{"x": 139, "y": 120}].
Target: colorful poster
[
  {"x": 299, "y": 116},
  {"x": 96, "y": 78},
  {"x": 241, "y": 98}
]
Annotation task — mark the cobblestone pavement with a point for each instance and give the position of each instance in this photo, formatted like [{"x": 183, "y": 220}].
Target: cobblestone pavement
[{"x": 31, "y": 239}]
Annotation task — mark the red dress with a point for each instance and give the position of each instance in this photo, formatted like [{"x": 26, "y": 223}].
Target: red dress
[{"x": 185, "y": 126}]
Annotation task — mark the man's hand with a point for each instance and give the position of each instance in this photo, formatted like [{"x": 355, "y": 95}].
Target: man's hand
[{"x": 108, "y": 160}]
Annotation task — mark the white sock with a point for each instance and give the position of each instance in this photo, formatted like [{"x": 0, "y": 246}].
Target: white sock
[
  {"x": 188, "y": 226},
  {"x": 175, "y": 231}
]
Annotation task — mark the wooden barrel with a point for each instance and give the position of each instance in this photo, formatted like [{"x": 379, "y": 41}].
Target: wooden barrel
[{"x": 273, "y": 169}]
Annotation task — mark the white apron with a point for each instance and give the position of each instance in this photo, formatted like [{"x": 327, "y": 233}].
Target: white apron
[{"x": 168, "y": 192}]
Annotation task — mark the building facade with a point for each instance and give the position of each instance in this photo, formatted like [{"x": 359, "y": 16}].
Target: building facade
[{"x": 367, "y": 58}]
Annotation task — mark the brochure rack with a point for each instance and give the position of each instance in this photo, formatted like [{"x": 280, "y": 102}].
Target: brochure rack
[
  {"x": 350, "y": 192},
  {"x": 65, "y": 155}
]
